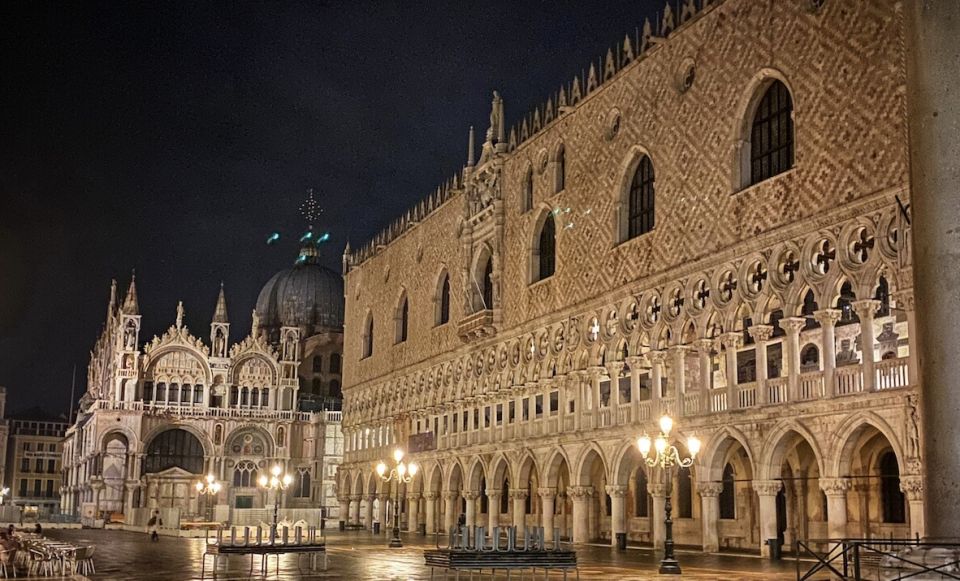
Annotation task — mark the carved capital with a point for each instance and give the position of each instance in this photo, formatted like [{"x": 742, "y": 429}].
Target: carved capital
[
  {"x": 731, "y": 340},
  {"x": 616, "y": 491},
  {"x": 767, "y": 487},
  {"x": 413, "y": 497},
  {"x": 547, "y": 492},
  {"x": 835, "y": 486},
  {"x": 905, "y": 299},
  {"x": 761, "y": 333},
  {"x": 518, "y": 494},
  {"x": 866, "y": 308},
  {"x": 451, "y": 495},
  {"x": 433, "y": 495},
  {"x": 657, "y": 357},
  {"x": 596, "y": 371},
  {"x": 704, "y": 346},
  {"x": 657, "y": 488},
  {"x": 382, "y": 497},
  {"x": 614, "y": 368},
  {"x": 637, "y": 361},
  {"x": 827, "y": 317},
  {"x": 469, "y": 495},
  {"x": 580, "y": 492},
  {"x": 355, "y": 498},
  {"x": 709, "y": 489},
  {"x": 912, "y": 487},
  {"x": 793, "y": 325}
]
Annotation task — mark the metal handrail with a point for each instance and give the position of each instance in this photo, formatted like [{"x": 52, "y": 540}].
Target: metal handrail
[{"x": 844, "y": 557}]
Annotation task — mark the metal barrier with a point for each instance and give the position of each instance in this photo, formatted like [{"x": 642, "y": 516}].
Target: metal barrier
[{"x": 877, "y": 559}]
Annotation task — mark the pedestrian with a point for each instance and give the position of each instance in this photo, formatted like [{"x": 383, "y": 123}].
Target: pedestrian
[
  {"x": 38, "y": 530},
  {"x": 11, "y": 529},
  {"x": 154, "y": 524}
]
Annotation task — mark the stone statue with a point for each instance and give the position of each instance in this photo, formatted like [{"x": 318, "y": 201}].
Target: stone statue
[
  {"x": 255, "y": 328},
  {"x": 179, "y": 314},
  {"x": 496, "y": 118},
  {"x": 913, "y": 427}
]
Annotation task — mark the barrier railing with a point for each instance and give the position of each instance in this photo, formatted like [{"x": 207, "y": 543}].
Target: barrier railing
[{"x": 868, "y": 559}]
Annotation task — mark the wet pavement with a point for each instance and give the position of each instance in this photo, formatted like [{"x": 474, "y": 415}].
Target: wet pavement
[{"x": 360, "y": 555}]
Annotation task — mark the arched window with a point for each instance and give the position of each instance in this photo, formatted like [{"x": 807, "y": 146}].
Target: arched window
[
  {"x": 505, "y": 497},
  {"x": 172, "y": 448},
  {"x": 334, "y": 363},
  {"x": 641, "y": 497},
  {"x": 684, "y": 494},
  {"x": 318, "y": 364},
  {"x": 544, "y": 255},
  {"x": 483, "y": 292},
  {"x": 367, "y": 350},
  {"x": 560, "y": 169},
  {"x": 641, "y": 203},
  {"x": 526, "y": 189},
  {"x": 728, "y": 494},
  {"x": 316, "y": 386},
  {"x": 883, "y": 295},
  {"x": 845, "y": 304},
  {"x": 245, "y": 474},
  {"x": 891, "y": 496},
  {"x": 302, "y": 483},
  {"x": 443, "y": 301},
  {"x": 771, "y": 134},
  {"x": 335, "y": 388},
  {"x": 809, "y": 358},
  {"x": 403, "y": 312}
]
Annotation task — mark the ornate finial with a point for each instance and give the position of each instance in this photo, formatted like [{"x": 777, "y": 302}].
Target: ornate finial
[
  {"x": 220, "y": 311},
  {"x": 470, "y": 157},
  {"x": 179, "y": 314},
  {"x": 255, "y": 327}
]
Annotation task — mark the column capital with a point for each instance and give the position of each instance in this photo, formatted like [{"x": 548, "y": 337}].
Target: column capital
[
  {"x": 547, "y": 492},
  {"x": 413, "y": 496},
  {"x": 580, "y": 492},
  {"x": 637, "y": 362},
  {"x": 675, "y": 349},
  {"x": 866, "y": 307},
  {"x": 767, "y": 487},
  {"x": 432, "y": 495},
  {"x": 761, "y": 333},
  {"x": 381, "y": 496},
  {"x": 494, "y": 493},
  {"x": 656, "y": 357},
  {"x": 596, "y": 371},
  {"x": 709, "y": 489},
  {"x": 793, "y": 325},
  {"x": 904, "y": 299},
  {"x": 731, "y": 340},
  {"x": 470, "y": 495},
  {"x": 912, "y": 487},
  {"x": 828, "y": 316},
  {"x": 451, "y": 495},
  {"x": 614, "y": 368},
  {"x": 616, "y": 490},
  {"x": 355, "y": 497},
  {"x": 518, "y": 494},
  {"x": 835, "y": 486},
  {"x": 704, "y": 346}
]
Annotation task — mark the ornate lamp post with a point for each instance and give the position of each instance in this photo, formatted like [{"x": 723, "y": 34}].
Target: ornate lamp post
[
  {"x": 3, "y": 492},
  {"x": 403, "y": 474},
  {"x": 667, "y": 458},
  {"x": 209, "y": 487},
  {"x": 277, "y": 484}
]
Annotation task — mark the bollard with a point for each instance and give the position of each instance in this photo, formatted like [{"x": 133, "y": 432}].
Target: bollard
[{"x": 496, "y": 538}]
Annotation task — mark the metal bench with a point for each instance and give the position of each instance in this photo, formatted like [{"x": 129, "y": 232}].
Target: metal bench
[
  {"x": 472, "y": 552},
  {"x": 310, "y": 545}
]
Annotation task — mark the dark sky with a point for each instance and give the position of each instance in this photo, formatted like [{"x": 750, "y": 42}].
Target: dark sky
[{"x": 174, "y": 137}]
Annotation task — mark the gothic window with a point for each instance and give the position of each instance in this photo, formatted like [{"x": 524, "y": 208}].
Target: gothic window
[
  {"x": 560, "y": 167},
  {"x": 684, "y": 494},
  {"x": 255, "y": 397},
  {"x": 245, "y": 474},
  {"x": 771, "y": 134},
  {"x": 845, "y": 304},
  {"x": 641, "y": 495},
  {"x": 809, "y": 358},
  {"x": 728, "y": 494},
  {"x": 484, "y": 285},
  {"x": 318, "y": 364},
  {"x": 234, "y": 393},
  {"x": 403, "y": 313},
  {"x": 172, "y": 448},
  {"x": 545, "y": 253},
  {"x": 443, "y": 301},
  {"x": 198, "y": 394},
  {"x": 335, "y": 389},
  {"x": 367, "y": 350},
  {"x": 891, "y": 496},
  {"x": 883, "y": 295},
  {"x": 334, "y": 363},
  {"x": 641, "y": 217},
  {"x": 527, "y": 189},
  {"x": 505, "y": 497}
]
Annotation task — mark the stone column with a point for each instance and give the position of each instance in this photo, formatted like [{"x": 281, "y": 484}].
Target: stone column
[
  {"x": 793, "y": 326},
  {"x": 430, "y": 512},
  {"x": 519, "y": 508},
  {"x": 828, "y": 321},
  {"x": 344, "y": 509},
  {"x": 731, "y": 341},
  {"x": 865, "y": 310},
  {"x": 561, "y": 384},
  {"x": 413, "y": 512},
  {"x": 905, "y": 302},
  {"x": 656, "y": 374},
  {"x": 636, "y": 364},
  {"x": 450, "y": 507},
  {"x": 767, "y": 493},
  {"x": 581, "y": 499},
  {"x": 613, "y": 370},
  {"x": 470, "y": 497},
  {"x": 704, "y": 349},
  {"x": 836, "y": 491},
  {"x": 761, "y": 334},
  {"x": 618, "y": 513},
  {"x": 678, "y": 354},
  {"x": 97, "y": 486},
  {"x": 912, "y": 487},
  {"x": 710, "y": 515},
  {"x": 576, "y": 378},
  {"x": 355, "y": 509},
  {"x": 493, "y": 509},
  {"x": 547, "y": 497},
  {"x": 658, "y": 491},
  {"x": 594, "y": 374},
  {"x": 368, "y": 511},
  {"x": 383, "y": 498}
]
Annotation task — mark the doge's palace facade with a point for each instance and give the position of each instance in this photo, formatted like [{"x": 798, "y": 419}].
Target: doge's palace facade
[{"x": 712, "y": 222}]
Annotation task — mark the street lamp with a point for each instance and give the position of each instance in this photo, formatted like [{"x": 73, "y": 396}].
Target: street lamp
[
  {"x": 3, "y": 492},
  {"x": 208, "y": 487},
  {"x": 667, "y": 458},
  {"x": 403, "y": 474},
  {"x": 277, "y": 484}
]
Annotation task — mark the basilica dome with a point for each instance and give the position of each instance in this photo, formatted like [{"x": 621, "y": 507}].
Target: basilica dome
[{"x": 308, "y": 295}]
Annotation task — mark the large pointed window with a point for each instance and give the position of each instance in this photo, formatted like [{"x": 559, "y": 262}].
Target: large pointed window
[
  {"x": 443, "y": 300},
  {"x": 891, "y": 496},
  {"x": 641, "y": 216},
  {"x": 771, "y": 134},
  {"x": 367, "y": 350},
  {"x": 487, "y": 283},
  {"x": 560, "y": 169},
  {"x": 544, "y": 255},
  {"x": 403, "y": 316},
  {"x": 728, "y": 494},
  {"x": 527, "y": 191}
]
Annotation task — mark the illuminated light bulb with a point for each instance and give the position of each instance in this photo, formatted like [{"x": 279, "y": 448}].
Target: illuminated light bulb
[
  {"x": 401, "y": 469},
  {"x": 660, "y": 444},
  {"x": 287, "y": 479},
  {"x": 199, "y": 486},
  {"x": 666, "y": 424},
  {"x": 216, "y": 487},
  {"x": 398, "y": 454},
  {"x": 264, "y": 481},
  {"x": 381, "y": 469},
  {"x": 274, "y": 482},
  {"x": 275, "y": 470},
  {"x": 210, "y": 478},
  {"x": 643, "y": 443},
  {"x": 693, "y": 445},
  {"x": 413, "y": 469}
]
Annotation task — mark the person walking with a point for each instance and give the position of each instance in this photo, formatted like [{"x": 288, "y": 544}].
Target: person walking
[{"x": 154, "y": 524}]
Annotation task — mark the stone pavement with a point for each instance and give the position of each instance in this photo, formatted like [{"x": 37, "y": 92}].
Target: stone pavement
[{"x": 359, "y": 555}]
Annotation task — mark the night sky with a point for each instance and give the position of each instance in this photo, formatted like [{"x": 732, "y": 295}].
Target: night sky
[{"x": 175, "y": 137}]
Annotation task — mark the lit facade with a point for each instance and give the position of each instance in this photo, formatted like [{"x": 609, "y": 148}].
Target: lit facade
[{"x": 34, "y": 452}]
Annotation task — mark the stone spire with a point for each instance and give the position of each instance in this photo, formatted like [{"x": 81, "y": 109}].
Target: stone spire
[
  {"x": 471, "y": 159},
  {"x": 130, "y": 304},
  {"x": 220, "y": 312}
]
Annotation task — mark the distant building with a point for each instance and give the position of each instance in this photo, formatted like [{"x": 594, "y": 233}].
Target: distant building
[
  {"x": 4, "y": 434},
  {"x": 33, "y": 454},
  {"x": 156, "y": 418}
]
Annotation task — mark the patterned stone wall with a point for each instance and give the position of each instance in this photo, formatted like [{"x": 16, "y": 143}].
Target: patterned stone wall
[{"x": 844, "y": 65}]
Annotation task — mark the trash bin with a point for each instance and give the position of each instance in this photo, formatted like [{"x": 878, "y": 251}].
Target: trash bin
[
  {"x": 376, "y": 528},
  {"x": 343, "y": 525},
  {"x": 621, "y": 541},
  {"x": 422, "y": 529},
  {"x": 774, "y": 545}
]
